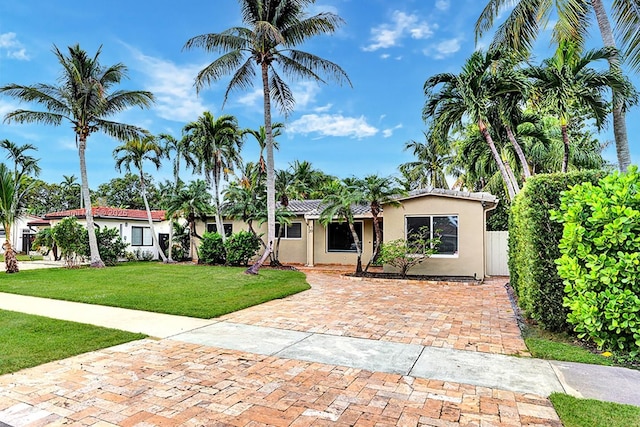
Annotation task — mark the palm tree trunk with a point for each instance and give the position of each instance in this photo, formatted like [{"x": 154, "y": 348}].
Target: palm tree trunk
[
  {"x": 216, "y": 201},
  {"x": 496, "y": 156},
  {"x": 10, "y": 260},
  {"x": 156, "y": 241},
  {"x": 514, "y": 180},
  {"x": 271, "y": 184},
  {"x": 519, "y": 152},
  {"x": 94, "y": 252},
  {"x": 376, "y": 247},
  {"x": 565, "y": 143},
  {"x": 356, "y": 240},
  {"x": 619, "y": 122}
]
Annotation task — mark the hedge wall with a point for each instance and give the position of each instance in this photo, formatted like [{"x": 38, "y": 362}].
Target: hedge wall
[{"x": 533, "y": 246}]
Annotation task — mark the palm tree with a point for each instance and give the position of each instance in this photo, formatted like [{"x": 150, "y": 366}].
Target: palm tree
[
  {"x": 71, "y": 190},
  {"x": 84, "y": 99},
  {"x": 192, "y": 202},
  {"x": 261, "y": 137},
  {"x": 378, "y": 191},
  {"x": 428, "y": 170},
  {"x": 134, "y": 153},
  {"x": 338, "y": 205},
  {"x": 23, "y": 163},
  {"x": 273, "y": 29},
  {"x": 469, "y": 94},
  {"x": 528, "y": 17},
  {"x": 12, "y": 192},
  {"x": 565, "y": 82},
  {"x": 215, "y": 144},
  {"x": 181, "y": 149}
]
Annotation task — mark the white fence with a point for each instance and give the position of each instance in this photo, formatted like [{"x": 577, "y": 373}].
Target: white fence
[{"x": 496, "y": 253}]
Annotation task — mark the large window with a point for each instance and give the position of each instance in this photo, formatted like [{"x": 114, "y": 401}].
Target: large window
[
  {"x": 291, "y": 231},
  {"x": 339, "y": 237},
  {"x": 444, "y": 228},
  {"x": 141, "y": 236},
  {"x": 213, "y": 228}
]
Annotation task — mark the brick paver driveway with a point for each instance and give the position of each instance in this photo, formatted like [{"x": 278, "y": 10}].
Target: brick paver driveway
[{"x": 166, "y": 383}]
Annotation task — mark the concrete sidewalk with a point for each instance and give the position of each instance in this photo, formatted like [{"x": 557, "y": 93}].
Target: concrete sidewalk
[{"x": 517, "y": 374}]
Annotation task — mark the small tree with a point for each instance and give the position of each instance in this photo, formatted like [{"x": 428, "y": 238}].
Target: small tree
[
  {"x": 241, "y": 247},
  {"x": 44, "y": 240},
  {"x": 110, "y": 245},
  {"x": 67, "y": 236},
  {"x": 404, "y": 255}
]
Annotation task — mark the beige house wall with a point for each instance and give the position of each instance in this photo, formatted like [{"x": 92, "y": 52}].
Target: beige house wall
[
  {"x": 471, "y": 225},
  {"x": 322, "y": 255}
]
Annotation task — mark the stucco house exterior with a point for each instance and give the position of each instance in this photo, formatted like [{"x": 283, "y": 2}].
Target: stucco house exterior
[
  {"x": 22, "y": 233},
  {"x": 132, "y": 224},
  {"x": 458, "y": 218}
]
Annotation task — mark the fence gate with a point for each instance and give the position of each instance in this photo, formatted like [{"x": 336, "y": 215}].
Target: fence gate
[{"x": 497, "y": 253}]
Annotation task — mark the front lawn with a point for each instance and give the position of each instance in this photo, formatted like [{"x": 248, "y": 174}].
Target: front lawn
[
  {"x": 182, "y": 289},
  {"x": 593, "y": 413},
  {"x": 29, "y": 340}
]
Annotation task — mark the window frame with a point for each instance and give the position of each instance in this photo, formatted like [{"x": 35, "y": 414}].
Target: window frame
[
  {"x": 142, "y": 235},
  {"x": 224, "y": 226},
  {"x": 285, "y": 236},
  {"x": 431, "y": 217},
  {"x": 344, "y": 223}
]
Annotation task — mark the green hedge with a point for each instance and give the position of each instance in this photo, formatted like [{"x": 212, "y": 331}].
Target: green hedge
[
  {"x": 533, "y": 246},
  {"x": 600, "y": 261}
]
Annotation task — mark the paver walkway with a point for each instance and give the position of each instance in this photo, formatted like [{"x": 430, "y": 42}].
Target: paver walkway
[{"x": 169, "y": 382}]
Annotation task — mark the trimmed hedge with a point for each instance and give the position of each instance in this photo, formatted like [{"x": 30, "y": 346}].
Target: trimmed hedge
[
  {"x": 600, "y": 261},
  {"x": 533, "y": 246}
]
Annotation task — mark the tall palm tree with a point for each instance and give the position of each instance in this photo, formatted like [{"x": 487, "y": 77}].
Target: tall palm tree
[
  {"x": 134, "y": 153},
  {"x": 452, "y": 98},
  {"x": 378, "y": 191},
  {"x": 181, "y": 149},
  {"x": 429, "y": 169},
  {"x": 83, "y": 98},
  {"x": 71, "y": 190},
  {"x": 215, "y": 144},
  {"x": 566, "y": 82},
  {"x": 273, "y": 29},
  {"x": 191, "y": 202},
  {"x": 337, "y": 205},
  {"x": 528, "y": 17},
  {"x": 12, "y": 191}
]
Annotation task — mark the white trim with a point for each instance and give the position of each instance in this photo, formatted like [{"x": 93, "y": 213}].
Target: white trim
[{"x": 431, "y": 216}]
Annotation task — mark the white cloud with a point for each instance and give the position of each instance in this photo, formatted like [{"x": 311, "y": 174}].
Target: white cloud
[
  {"x": 323, "y": 108},
  {"x": 402, "y": 25},
  {"x": 303, "y": 92},
  {"x": 172, "y": 86},
  {"x": 387, "y": 133},
  {"x": 9, "y": 43},
  {"x": 332, "y": 125},
  {"x": 443, "y": 49},
  {"x": 442, "y": 4},
  {"x": 251, "y": 99}
]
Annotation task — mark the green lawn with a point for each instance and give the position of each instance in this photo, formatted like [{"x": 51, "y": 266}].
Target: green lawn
[
  {"x": 593, "y": 413},
  {"x": 182, "y": 289},
  {"x": 24, "y": 257},
  {"x": 29, "y": 340},
  {"x": 560, "y": 346}
]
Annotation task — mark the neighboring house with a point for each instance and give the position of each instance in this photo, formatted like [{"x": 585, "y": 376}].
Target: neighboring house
[
  {"x": 457, "y": 217},
  {"x": 132, "y": 224},
  {"x": 23, "y": 231}
]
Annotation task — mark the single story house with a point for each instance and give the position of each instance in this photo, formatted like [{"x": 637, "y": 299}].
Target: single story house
[
  {"x": 23, "y": 231},
  {"x": 132, "y": 224},
  {"x": 458, "y": 218}
]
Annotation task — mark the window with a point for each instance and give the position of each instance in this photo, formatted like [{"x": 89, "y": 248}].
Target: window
[
  {"x": 228, "y": 229},
  {"x": 141, "y": 236},
  {"x": 291, "y": 231},
  {"x": 444, "y": 228},
  {"x": 339, "y": 237}
]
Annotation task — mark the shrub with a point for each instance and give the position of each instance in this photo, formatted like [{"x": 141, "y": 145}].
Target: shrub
[
  {"x": 241, "y": 247},
  {"x": 533, "y": 247},
  {"x": 142, "y": 255},
  {"x": 211, "y": 250},
  {"x": 404, "y": 255},
  {"x": 66, "y": 235},
  {"x": 600, "y": 262},
  {"x": 110, "y": 245}
]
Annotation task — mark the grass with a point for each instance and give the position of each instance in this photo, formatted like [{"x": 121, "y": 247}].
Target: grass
[
  {"x": 29, "y": 340},
  {"x": 576, "y": 412},
  {"x": 24, "y": 257},
  {"x": 181, "y": 289},
  {"x": 560, "y": 346}
]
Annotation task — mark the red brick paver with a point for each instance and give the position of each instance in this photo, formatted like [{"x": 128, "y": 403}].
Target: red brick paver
[
  {"x": 168, "y": 383},
  {"x": 461, "y": 316}
]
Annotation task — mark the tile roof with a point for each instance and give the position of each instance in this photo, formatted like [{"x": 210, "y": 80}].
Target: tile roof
[
  {"x": 479, "y": 196},
  {"x": 108, "y": 212},
  {"x": 313, "y": 208}
]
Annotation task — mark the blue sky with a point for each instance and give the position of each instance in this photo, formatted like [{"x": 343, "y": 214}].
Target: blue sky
[{"x": 388, "y": 49}]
